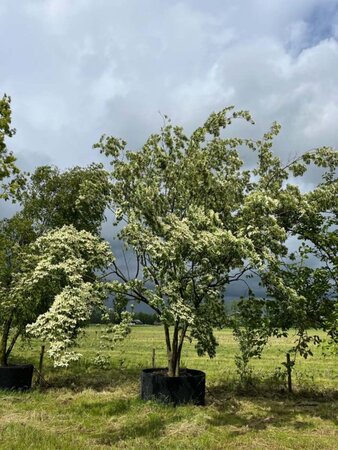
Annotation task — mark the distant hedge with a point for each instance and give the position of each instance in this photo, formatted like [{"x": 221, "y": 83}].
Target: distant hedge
[{"x": 147, "y": 319}]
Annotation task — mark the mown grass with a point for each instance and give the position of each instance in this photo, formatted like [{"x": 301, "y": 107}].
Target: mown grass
[{"x": 87, "y": 407}]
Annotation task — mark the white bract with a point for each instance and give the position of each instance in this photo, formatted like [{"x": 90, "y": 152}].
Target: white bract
[{"x": 60, "y": 266}]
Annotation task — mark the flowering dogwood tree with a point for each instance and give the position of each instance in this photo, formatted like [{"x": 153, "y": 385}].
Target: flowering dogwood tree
[
  {"x": 54, "y": 271},
  {"x": 62, "y": 264},
  {"x": 197, "y": 220}
]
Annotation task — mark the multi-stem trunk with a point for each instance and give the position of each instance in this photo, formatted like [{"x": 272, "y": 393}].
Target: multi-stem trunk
[
  {"x": 4, "y": 341},
  {"x": 174, "y": 347},
  {"x": 7, "y": 344}
]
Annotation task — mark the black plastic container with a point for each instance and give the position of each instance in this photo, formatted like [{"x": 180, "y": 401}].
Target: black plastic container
[
  {"x": 16, "y": 377},
  {"x": 189, "y": 387}
]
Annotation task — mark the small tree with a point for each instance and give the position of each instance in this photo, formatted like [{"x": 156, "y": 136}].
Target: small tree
[
  {"x": 44, "y": 273},
  {"x": 304, "y": 286},
  {"x": 251, "y": 329},
  {"x": 62, "y": 264},
  {"x": 197, "y": 221}
]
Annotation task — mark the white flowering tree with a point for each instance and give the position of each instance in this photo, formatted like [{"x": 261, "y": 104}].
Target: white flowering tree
[
  {"x": 197, "y": 220},
  {"x": 54, "y": 290}
]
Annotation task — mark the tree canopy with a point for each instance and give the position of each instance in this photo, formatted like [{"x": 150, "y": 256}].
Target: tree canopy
[{"x": 78, "y": 197}]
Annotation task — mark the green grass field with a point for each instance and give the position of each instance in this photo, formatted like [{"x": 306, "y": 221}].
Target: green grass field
[{"x": 87, "y": 407}]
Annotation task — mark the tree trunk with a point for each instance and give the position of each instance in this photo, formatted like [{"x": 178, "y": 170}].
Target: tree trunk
[
  {"x": 179, "y": 350},
  {"x": 168, "y": 345},
  {"x": 4, "y": 339},
  {"x": 12, "y": 343},
  {"x": 174, "y": 349},
  {"x": 175, "y": 362}
]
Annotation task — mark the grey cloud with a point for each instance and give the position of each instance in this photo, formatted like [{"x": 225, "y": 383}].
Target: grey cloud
[{"x": 78, "y": 69}]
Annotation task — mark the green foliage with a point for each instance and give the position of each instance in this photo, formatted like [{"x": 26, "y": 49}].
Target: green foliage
[
  {"x": 305, "y": 296},
  {"x": 77, "y": 197},
  {"x": 10, "y": 180},
  {"x": 251, "y": 329}
]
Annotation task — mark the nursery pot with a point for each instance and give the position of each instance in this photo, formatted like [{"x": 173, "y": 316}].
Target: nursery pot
[
  {"x": 16, "y": 376},
  {"x": 189, "y": 387}
]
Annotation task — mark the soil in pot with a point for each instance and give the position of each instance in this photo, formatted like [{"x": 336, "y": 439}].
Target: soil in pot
[
  {"x": 16, "y": 377},
  {"x": 189, "y": 387}
]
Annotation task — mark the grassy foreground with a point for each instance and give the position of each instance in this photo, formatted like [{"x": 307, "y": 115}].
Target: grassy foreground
[{"x": 90, "y": 407}]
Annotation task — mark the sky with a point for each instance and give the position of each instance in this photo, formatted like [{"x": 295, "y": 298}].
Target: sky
[{"x": 76, "y": 69}]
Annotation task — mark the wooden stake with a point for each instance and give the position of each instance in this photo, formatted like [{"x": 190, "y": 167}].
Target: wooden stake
[
  {"x": 42, "y": 352},
  {"x": 289, "y": 371},
  {"x": 153, "y": 358}
]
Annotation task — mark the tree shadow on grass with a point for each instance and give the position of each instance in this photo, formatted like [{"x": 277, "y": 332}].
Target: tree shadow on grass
[
  {"x": 271, "y": 409},
  {"x": 147, "y": 420},
  {"x": 112, "y": 407},
  {"x": 91, "y": 378},
  {"x": 150, "y": 428}
]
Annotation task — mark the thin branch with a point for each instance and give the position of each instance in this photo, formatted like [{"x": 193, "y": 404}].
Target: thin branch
[
  {"x": 125, "y": 262},
  {"x": 119, "y": 273},
  {"x": 138, "y": 266},
  {"x": 13, "y": 341},
  {"x": 237, "y": 276}
]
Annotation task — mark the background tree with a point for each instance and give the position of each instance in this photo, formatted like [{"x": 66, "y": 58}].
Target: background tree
[
  {"x": 78, "y": 196},
  {"x": 304, "y": 287},
  {"x": 10, "y": 180},
  {"x": 50, "y": 199},
  {"x": 197, "y": 221}
]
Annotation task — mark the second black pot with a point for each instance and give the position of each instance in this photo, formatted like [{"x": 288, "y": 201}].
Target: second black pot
[
  {"x": 189, "y": 387},
  {"x": 16, "y": 377}
]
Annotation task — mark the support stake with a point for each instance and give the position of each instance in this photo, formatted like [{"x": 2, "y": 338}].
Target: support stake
[
  {"x": 42, "y": 352},
  {"x": 289, "y": 365},
  {"x": 153, "y": 359}
]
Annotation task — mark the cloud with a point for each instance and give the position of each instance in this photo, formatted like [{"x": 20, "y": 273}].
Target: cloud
[{"x": 78, "y": 69}]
